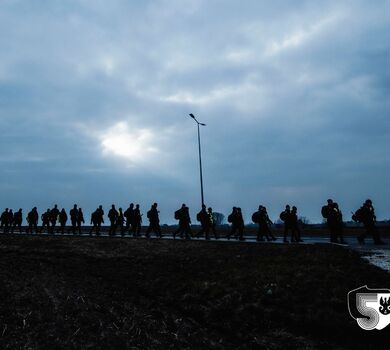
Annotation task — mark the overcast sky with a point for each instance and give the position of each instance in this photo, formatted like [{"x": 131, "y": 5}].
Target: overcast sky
[{"x": 95, "y": 96}]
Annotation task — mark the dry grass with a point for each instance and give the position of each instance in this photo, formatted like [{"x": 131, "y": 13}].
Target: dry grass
[{"x": 87, "y": 293}]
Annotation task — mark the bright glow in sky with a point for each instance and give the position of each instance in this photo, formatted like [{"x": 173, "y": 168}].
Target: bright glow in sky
[{"x": 136, "y": 146}]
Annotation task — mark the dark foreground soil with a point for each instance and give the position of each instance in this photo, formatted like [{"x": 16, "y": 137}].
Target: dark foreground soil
[{"x": 100, "y": 293}]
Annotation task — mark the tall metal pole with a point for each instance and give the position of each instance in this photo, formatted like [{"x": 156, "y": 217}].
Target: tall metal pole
[
  {"x": 200, "y": 167},
  {"x": 200, "y": 157}
]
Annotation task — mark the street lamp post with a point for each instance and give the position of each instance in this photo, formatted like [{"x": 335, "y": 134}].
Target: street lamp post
[{"x": 200, "y": 157}]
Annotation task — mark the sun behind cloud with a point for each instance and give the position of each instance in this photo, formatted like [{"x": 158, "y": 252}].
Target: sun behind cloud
[{"x": 135, "y": 145}]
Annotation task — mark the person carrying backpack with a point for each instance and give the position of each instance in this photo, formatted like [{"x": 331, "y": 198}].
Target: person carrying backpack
[
  {"x": 366, "y": 216},
  {"x": 32, "y": 220},
  {"x": 334, "y": 221},
  {"x": 17, "y": 221},
  {"x": 183, "y": 215},
  {"x": 237, "y": 221},
  {"x": 45, "y": 217},
  {"x": 203, "y": 218},
  {"x": 154, "y": 222},
  {"x": 97, "y": 218},
  {"x": 290, "y": 219},
  {"x": 261, "y": 218}
]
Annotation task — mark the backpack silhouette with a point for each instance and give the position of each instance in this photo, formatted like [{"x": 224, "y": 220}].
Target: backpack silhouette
[
  {"x": 358, "y": 216},
  {"x": 177, "y": 214},
  {"x": 324, "y": 211}
]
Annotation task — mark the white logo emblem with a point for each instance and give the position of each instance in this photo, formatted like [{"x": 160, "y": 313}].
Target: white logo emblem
[{"x": 370, "y": 307}]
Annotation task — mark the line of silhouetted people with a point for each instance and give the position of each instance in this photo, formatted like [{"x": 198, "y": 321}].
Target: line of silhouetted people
[{"x": 129, "y": 222}]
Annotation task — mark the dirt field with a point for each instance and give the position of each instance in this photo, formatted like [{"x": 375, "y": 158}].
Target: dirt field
[{"x": 101, "y": 293}]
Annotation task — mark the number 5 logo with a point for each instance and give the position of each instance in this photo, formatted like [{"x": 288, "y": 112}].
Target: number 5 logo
[{"x": 370, "y": 307}]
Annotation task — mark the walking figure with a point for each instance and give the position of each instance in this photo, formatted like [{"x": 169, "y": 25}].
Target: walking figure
[
  {"x": 183, "y": 215},
  {"x": 154, "y": 222},
  {"x": 17, "y": 221},
  {"x": 207, "y": 222},
  {"x": 63, "y": 218},
  {"x": 136, "y": 221},
  {"x": 366, "y": 215},
  {"x": 237, "y": 221},
  {"x": 129, "y": 216},
  {"x": 73, "y": 218},
  {"x": 80, "y": 220},
  {"x": 45, "y": 217},
  {"x": 4, "y": 220},
  {"x": 121, "y": 221},
  {"x": 10, "y": 220},
  {"x": 32, "y": 220},
  {"x": 113, "y": 217},
  {"x": 261, "y": 218},
  {"x": 53, "y": 218},
  {"x": 290, "y": 219},
  {"x": 203, "y": 218},
  {"x": 97, "y": 218},
  {"x": 211, "y": 223},
  {"x": 334, "y": 221}
]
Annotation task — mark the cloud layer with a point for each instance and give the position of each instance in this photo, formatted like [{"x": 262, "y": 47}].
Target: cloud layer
[{"x": 95, "y": 96}]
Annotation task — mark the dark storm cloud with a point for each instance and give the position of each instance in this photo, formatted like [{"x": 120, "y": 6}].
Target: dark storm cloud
[{"x": 294, "y": 95}]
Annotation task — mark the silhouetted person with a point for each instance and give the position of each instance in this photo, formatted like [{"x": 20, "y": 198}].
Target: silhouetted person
[
  {"x": 121, "y": 221},
  {"x": 206, "y": 219},
  {"x": 340, "y": 224},
  {"x": 74, "y": 212},
  {"x": 230, "y": 220},
  {"x": 237, "y": 221},
  {"x": 261, "y": 218},
  {"x": 285, "y": 216},
  {"x": 45, "y": 217},
  {"x": 129, "y": 216},
  {"x": 95, "y": 224},
  {"x": 113, "y": 217},
  {"x": 137, "y": 222},
  {"x": 290, "y": 219},
  {"x": 17, "y": 221},
  {"x": 32, "y": 220},
  {"x": 97, "y": 219},
  {"x": 53, "y": 218},
  {"x": 366, "y": 215},
  {"x": 10, "y": 220},
  {"x": 4, "y": 220},
  {"x": 203, "y": 218},
  {"x": 154, "y": 222},
  {"x": 63, "y": 218},
  {"x": 80, "y": 220},
  {"x": 334, "y": 221},
  {"x": 295, "y": 232},
  {"x": 183, "y": 215},
  {"x": 211, "y": 226}
]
